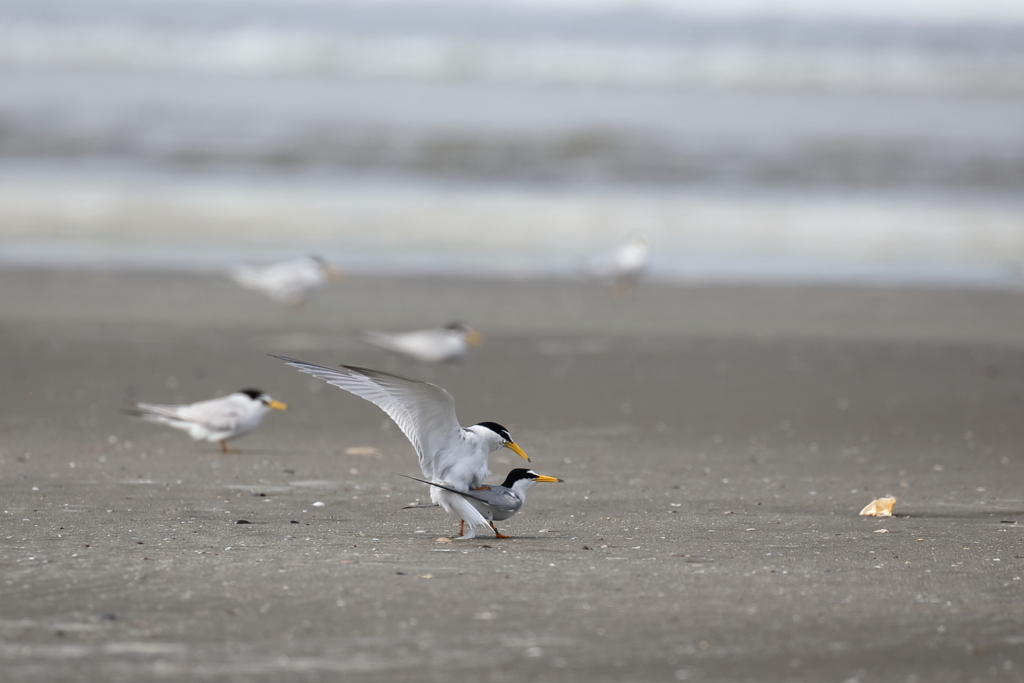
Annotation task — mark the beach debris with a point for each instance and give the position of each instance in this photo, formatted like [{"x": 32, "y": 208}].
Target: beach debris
[
  {"x": 242, "y": 521},
  {"x": 319, "y": 504},
  {"x": 881, "y": 531},
  {"x": 443, "y": 539},
  {"x": 363, "y": 450},
  {"x": 880, "y": 507}
]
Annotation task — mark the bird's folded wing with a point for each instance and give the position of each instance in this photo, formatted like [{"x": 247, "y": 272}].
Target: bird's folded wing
[
  {"x": 496, "y": 497},
  {"x": 423, "y": 411},
  {"x": 219, "y": 414}
]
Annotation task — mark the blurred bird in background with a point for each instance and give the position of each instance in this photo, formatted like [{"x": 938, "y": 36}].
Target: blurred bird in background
[
  {"x": 630, "y": 265},
  {"x": 290, "y": 282},
  {"x": 624, "y": 267},
  {"x": 441, "y": 345}
]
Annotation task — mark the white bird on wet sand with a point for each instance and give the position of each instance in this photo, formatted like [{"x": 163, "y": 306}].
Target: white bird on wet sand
[
  {"x": 630, "y": 264},
  {"x": 497, "y": 502},
  {"x": 448, "y": 343},
  {"x": 290, "y": 282},
  {"x": 449, "y": 455},
  {"x": 216, "y": 420}
]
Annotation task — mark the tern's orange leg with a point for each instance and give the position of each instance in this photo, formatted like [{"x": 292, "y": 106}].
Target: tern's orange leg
[
  {"x": 497, "y": 534},
  {"x": 223, "y": 446},
  {"x": 462, "y": 526}
]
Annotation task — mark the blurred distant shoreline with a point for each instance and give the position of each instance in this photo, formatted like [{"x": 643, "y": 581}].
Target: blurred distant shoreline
[{"x": 811, "y": 142}]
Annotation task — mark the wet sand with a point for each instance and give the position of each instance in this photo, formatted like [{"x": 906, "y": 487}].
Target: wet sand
[{"x": 716, "y": 442}]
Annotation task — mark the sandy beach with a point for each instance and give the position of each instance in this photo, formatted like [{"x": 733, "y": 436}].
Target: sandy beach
[{"x": 717, "y": 444}]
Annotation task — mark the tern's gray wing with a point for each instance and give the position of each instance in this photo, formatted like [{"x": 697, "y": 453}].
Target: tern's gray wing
[
  {"x": 498, "y": 498},
  {"x": 423, "y": 411}
]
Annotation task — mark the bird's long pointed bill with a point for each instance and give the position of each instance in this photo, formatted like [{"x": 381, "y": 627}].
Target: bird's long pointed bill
[
  {"x": 514, "y": 447},
  {"x": 277, "y": 405},
  {"x": 474, "y": 338},
  {"x": 551, "y": 479}
]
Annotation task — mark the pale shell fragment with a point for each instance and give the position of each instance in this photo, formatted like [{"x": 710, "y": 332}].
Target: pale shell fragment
[
  {"x": 880, "y": 507},
  {"x": 363, "y": 450}
]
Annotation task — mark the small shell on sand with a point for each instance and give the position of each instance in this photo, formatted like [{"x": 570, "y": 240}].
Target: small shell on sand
[{"x": 880, "y": 507}]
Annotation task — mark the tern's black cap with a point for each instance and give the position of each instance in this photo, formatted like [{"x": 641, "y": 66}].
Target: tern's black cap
[
  {"x": 254, "y": 394},
  {"x": 518, "y": 474},
  {"x": 497, "y": 429}
]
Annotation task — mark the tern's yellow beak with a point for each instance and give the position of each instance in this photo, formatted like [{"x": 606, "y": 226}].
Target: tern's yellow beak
[
  {"x": 541, "y": 477},
  {"x": 474, "y": 338},
  {"x": 277, "y": 405},
  {"x": 334, "y": 274},
  {"x": 512, "y": 446}
]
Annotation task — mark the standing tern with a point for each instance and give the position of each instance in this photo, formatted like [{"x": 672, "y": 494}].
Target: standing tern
[
  {"x": 498, "y": 502},
  {"x": 453, "y": 456},
  {"x": 448, "y": 343},
  {"x": 218, "y": 419},
  {"x": 290, "y": 282}
]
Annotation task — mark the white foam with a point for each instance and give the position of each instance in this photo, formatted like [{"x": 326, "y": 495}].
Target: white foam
[{"x": 511, "y": 232}]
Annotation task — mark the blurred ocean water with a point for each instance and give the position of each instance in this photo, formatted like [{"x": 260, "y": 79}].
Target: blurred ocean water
[{"x": 764, "y": 140}]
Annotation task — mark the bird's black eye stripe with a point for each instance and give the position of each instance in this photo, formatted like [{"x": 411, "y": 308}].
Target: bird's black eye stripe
[{"x": 254, "y": 394}]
